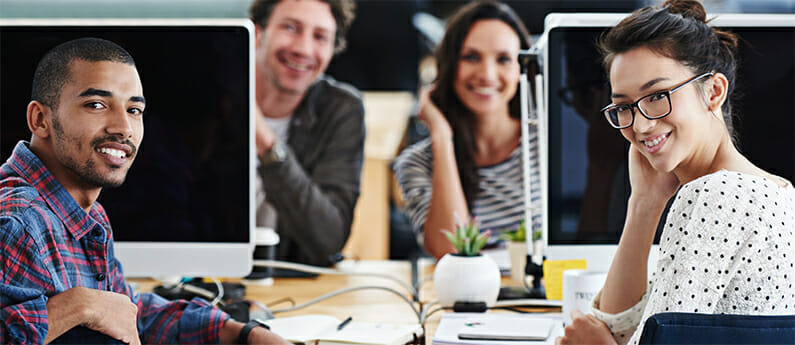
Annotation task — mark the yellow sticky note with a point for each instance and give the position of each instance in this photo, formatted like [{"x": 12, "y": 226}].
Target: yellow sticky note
[{"x": 553, "y": 275}]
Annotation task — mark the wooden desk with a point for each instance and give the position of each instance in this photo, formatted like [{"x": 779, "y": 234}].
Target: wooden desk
[{"x": 362, "y": 305}]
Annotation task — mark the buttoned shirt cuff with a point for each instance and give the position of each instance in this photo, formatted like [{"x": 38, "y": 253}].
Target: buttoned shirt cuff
[{"x": 621, "y": 322}]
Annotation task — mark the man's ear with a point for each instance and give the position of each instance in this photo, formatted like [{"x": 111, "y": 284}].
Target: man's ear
[
  {"x": 717, "y": 89},
  {"x": 39, "y": 121},
  {"x": 259, "y": 32}
]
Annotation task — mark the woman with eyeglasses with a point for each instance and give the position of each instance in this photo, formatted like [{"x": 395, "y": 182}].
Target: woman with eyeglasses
[
  {"x": 727, "y": 242},
  {"x": 471, "y": 163}
]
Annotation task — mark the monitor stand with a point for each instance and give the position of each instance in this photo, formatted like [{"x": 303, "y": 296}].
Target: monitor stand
[{"x": 533, "y": 291}]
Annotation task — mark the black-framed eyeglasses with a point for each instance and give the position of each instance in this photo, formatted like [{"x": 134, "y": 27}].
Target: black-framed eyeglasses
[{"x": 653, "y": 106}]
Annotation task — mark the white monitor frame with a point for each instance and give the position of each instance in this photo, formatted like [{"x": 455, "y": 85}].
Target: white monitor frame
[
  {"x": 160, "y": 259},
  {"x": 599, "y": 257}
]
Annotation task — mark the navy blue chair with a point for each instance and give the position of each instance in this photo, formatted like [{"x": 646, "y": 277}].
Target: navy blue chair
[{"x": 691, "y": 328}]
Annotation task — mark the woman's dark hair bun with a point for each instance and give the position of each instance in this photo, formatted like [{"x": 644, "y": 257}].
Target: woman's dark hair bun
[
  {"x": 687, "y": 8},
  {"x": 728, "y": 39}
]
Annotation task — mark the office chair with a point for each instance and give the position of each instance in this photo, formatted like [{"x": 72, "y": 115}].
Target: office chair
[{"x": 691, "y": 328}]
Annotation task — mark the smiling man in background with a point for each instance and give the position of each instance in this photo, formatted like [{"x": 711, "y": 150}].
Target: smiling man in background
[{"x": 310, "y": 128}]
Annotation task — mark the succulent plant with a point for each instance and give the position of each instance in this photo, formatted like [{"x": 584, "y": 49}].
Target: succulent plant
[
  {"x": 519, "y": 235},
  {"x": 467, "y": 238}
]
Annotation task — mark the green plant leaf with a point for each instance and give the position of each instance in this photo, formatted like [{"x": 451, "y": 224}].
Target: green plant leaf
[
  {"x": 480, "y": 241},
  {"x": 451, "y": 237},
  {"x": 460, "y": 233},
  {"x": 473, "y": 230},
  {"x": 467, "y": 247}
]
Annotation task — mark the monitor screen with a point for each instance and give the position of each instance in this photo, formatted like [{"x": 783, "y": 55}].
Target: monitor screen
[
  {"x": 588, "y": 181},
  {"x": 184, "y": 208}
]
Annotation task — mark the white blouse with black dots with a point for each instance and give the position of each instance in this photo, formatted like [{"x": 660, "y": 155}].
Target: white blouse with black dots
[{"x": 727, "y": 248}]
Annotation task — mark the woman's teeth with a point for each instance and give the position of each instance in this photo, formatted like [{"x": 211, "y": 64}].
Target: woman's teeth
[
  {"x": 486, "y": 90},
  {"x": 652, "y": 143}
]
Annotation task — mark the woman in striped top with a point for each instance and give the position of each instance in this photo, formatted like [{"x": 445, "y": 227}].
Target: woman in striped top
[{"x": 471, "y": 163}]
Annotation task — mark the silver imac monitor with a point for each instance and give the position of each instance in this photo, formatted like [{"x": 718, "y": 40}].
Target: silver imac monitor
[
  {"x": 587, "y": 178},
  {"x": 185, "y": 208}
]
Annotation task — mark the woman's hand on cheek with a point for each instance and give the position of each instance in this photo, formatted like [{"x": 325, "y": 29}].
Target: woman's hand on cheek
[
  {"x": 647, "y": 182},
  {"x": 585, "y": 329}
]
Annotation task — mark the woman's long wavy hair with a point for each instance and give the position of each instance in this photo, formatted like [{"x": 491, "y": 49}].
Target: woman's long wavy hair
[{"x": 461, "y": 119}]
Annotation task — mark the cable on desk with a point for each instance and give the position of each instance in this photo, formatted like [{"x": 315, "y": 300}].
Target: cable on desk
[
  {"x": 425, "y": 310},
  {"x": 430, "y": 313},
  {"x": 220, "y": 288},
  {"x": 324, "y": 270},
  {"x": 342, "y": 291},
  {"x": 513, "y": 309},
  {"x": 280, "y": 301},
  {"x": 207, "y": 294}
]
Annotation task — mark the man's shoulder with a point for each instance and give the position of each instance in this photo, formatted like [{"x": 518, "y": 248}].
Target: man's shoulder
[
  {"x": 21, "y": 206},
  {"x": 328, "y": 87},
  {"x": 16, "y": 196}
]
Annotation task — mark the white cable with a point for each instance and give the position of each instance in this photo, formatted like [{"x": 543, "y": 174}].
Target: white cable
[
  {"x": 342, "y": 291},
  {"x": 220, "y": 288},
  {"x": 424, "y": 313},
  {"x": 431, "y": 313},
  {"x": 334, "y": 271},
  {"x": 204, "y": 293}
]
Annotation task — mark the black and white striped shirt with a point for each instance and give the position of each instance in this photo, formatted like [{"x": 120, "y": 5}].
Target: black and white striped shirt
[{"x": 499, "y": 205}]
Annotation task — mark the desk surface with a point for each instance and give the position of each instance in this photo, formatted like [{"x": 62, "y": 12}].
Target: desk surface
[{"x": 362, "y": 305}]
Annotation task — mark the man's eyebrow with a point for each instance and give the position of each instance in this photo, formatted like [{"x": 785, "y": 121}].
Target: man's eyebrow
[
  {"x": 95, "y": 92},
  {"x": 298, "y": 21},
  {"x": 139, "y": 99}
]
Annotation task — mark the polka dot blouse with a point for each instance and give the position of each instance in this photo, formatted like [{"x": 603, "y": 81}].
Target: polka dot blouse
[{"x": 727, "y": 248}]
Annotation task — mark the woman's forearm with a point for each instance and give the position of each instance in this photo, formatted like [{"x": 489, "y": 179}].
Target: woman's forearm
[
  {"x": 447, "y": 197},
  {"x": 626, "y": 279}
]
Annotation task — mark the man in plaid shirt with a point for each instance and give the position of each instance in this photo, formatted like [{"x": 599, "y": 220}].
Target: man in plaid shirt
[{"x": 59, "y": 278}]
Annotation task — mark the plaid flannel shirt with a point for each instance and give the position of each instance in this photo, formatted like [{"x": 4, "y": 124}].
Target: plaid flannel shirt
[{"x": 49, "y": 244}]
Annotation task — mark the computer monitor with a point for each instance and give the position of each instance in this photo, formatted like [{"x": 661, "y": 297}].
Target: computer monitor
[
  {"x": 588, "y": 182},
  {"x": 185, "y": 208}
]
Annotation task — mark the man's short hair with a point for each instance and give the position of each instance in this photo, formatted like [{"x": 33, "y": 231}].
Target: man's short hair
[
  {"x": 343, "y": 11},
  {"x": 52, "y": 72}
]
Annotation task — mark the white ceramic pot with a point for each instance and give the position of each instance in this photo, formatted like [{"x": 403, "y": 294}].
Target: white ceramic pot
[
  {"x": 518, "y": 254},
  {"x": 466, "y": 279}
]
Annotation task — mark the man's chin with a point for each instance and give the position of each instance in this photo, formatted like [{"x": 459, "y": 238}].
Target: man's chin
[
  {"x": 293, "y": 87},
  {"x": 113, "y": 184},
  {"x": 105, "y": 181}
]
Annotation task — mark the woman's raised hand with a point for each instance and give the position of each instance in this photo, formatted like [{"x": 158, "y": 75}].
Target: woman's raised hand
[
  {"x": 648, "y": 183},
  {"x": 430, "y": 114}
]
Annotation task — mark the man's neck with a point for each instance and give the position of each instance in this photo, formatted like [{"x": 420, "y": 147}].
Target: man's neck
[
  {"x": 83, "y": 194},
  {"x": 275, "y": 103}
]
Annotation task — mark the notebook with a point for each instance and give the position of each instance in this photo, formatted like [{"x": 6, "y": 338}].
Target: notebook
[
  {"x": 513, "y": 328},
  {"x": 322, "y": 330},
  {"x": 498, "y": 329}
]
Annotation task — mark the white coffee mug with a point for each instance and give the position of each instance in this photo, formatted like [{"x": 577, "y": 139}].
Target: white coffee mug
[{"x": 579, "y": 289}]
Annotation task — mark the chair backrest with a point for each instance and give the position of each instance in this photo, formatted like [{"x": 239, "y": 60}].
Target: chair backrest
[{"x": 691, "y": 328}]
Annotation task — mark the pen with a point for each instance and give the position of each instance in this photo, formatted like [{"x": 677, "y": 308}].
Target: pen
[{"x": 344, "y": 323}]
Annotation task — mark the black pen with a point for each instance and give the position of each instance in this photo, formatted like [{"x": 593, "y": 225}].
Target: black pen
[{"x": 344, "y": 323}]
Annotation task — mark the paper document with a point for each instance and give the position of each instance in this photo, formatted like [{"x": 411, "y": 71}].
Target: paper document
[{"x": 323, "y": 329}]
